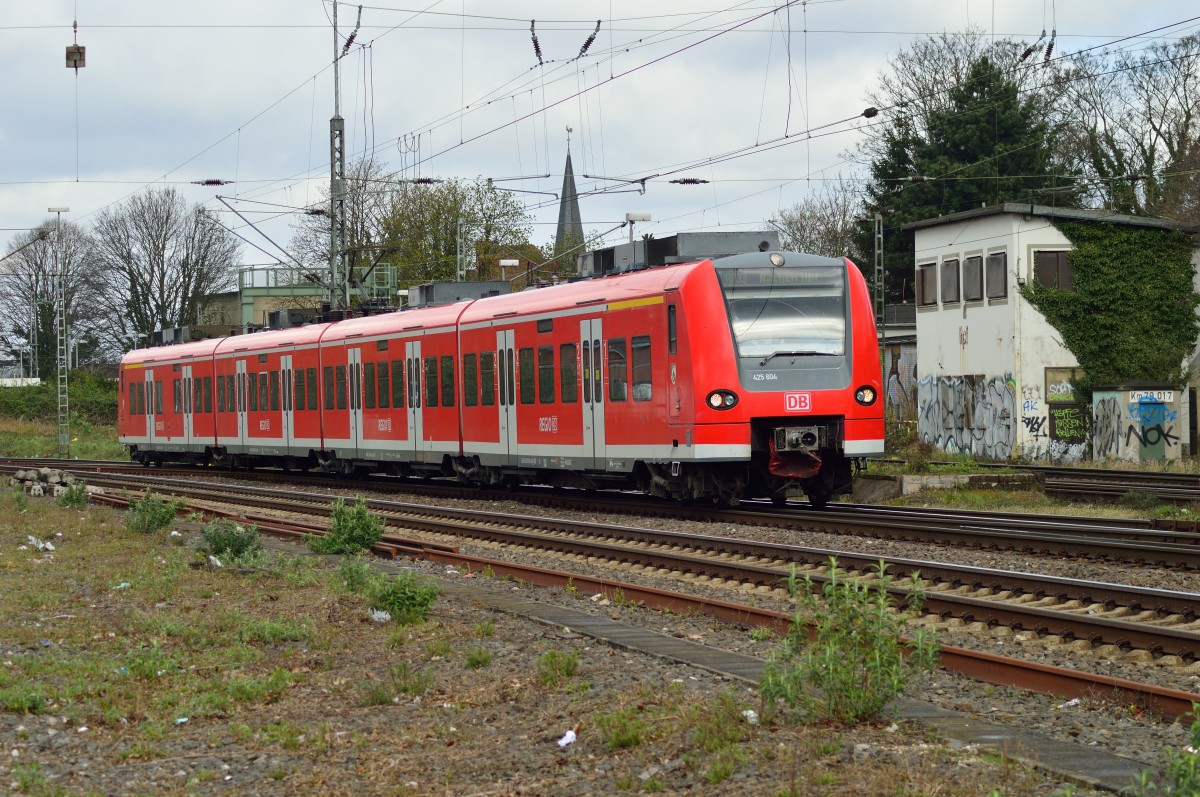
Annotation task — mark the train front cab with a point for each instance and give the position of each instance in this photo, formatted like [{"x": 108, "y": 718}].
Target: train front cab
[
  {"x": 166, "y": 405},
  {"x": 807, "y": 370}
]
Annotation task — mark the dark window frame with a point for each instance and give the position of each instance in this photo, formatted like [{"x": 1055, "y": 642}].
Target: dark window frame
[
  {"x": 972, "y": 278},
  {"x": 996, "y": 275},
  {"x": 926, "y": 284},
  {"x": 487, "y": 378},
  {"x": 447, "y": 379},
  {"x": 950, "y": 281},
  {"x": 470, "y": 372},
  {"x": 545, "y": 369},
  {"x": 527, "y": 375},
  {"x": 1052, "y": 269},
  {"x": 618, "y": 376},
  {"x": 568, "y": 372},
  {"x": 429, "y": 372},
  {"x": 641, "y": 365}
]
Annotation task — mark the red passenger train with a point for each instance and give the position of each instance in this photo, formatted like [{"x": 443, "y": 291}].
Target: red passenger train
[{"x": 746, "y": 376}]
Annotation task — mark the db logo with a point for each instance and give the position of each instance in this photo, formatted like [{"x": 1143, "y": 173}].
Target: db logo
[{"x": 797, "y": 402}]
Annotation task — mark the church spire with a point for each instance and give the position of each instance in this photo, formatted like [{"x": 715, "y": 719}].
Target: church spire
[{"x": 570, "y": 226}]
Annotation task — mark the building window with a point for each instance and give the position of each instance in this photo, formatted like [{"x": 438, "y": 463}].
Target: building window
[
  {"x": 1053, "y": 269},
  {"x": 950, "y": 281},
  {"x": 997, "y": 275},
  {"x": 927, "y": 283},
  {"x": 972, "y": 277}
]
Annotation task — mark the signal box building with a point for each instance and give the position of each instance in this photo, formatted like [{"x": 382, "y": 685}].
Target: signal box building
[{"x": 993, "y": 377}]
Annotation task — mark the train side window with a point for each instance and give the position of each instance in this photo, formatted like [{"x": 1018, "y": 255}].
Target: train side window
[
  {"x": 137, "y": 399},
  {"x": 312, "y": 388},
  {"x": 339, "y": 385},
  {"x": 525, "y": 366},
  {"x": 398, "y": 384},
  {"x": 597, "y": 381},
  {"x": 618, "y": 370},
  {"x": 327, "y": 380},
  {"x": 264, "y": 392},
  {"x": 470, "y": 381},
  {"x": 158, "y": 390},
  {"x": 587, "y": 373},
  {"x": 512, "y": 389},
  {"x": 546, "y": 374},
  {"x": 503, "y": 379},
  {"x": 487, "y": 378},
  {"x": 252, "y": 391},
  {"x": 639, "y": 356},
  {"x": 220, "y": 394},
  {"x": 447, "y": 380},
  {"x": 197, "y": 397},
  {"x": 414, "y": 382},
  {"x": 208, "y": 394},
  {"x": 274, "y": 390},
  {"x": 132, "y": 394},
  {"x": 240, "y": 384},
  {"x": 298, "y": 381},
  {"x": 569, "y": 372},
  {"x": 385, "y": 384},
  {"x": 176, "y": 396},
  {"x": 431, "y": 382},
  {"x": 369, "y": 386},
  {"x": 672, "y": 330}
]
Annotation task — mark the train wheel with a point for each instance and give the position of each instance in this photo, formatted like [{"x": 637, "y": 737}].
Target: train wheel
[{"x": 818, "y": 500}]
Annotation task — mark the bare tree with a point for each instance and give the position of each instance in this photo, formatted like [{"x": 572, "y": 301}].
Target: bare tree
[
  {"x": 30, "y": 276},
  {"x": 161, "y": 260},
  {"x": 1136, "y": 127},
  {"x": 824, "y": 223}
]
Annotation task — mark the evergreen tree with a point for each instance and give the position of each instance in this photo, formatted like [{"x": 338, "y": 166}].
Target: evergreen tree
[{"x": 986, "y": 146}]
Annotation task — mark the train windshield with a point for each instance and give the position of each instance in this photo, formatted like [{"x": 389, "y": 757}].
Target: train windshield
[{"x": 780, "y": 312}]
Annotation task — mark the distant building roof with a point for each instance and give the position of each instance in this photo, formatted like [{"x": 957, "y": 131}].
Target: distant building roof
[{"x": 1045, "y": 211}]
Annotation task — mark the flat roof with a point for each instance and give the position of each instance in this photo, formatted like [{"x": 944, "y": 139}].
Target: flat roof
[{"x": 1071, "y": 214}]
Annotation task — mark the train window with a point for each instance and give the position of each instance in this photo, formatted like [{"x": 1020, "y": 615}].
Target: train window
[
  {"x": 927, "y": 284},
  {"x": 972, "y": 276},
  {"x": 208, "y": 394},
  {"x": 512, "y": 388},
  {"x": 197, "y": 395},
  {"x": 299, "y": 382},
  {"x": 503, "y": 378},
  {"x": 136, "y": 398},
  {"x": 339, "y": 385},
  {"x": 639, "y": 356},
  {"x": 950, "y": 281},
  {"x": 545, "y": 325},
  {"x": 618, "y": 370},
  {"x": 158, "y": 390},
  {"x": 381, "y": 345},
  {"x": 176, "y": 396},
  {"x": 262, "y": 358},
  {"x": 672, "y": 329},
  {"x": 431, "y": 382},
  {"x": 369, "y": 386},
  {"x": 236, "y": 403},
  {"x": 569, "y": 372},
  {"x": 414, "y": 382},
  {"x": 175, "y": 367},
  {"x": 327, "y": 383},
  {"x": 470, "y": 381},
  {"x": 220, "y": 394},
  {"x": 447, "y": 380},
  {"x": 252, "y": 391},
  {"x": 264, "y": 392},
  {"x": 398, "y": 384},
  {"x": 525, "y": 366},
  {"x": 587, "y": 373},
  {"x": 385, "y": 385},
  {"x": 597, "y": 381},
  {"x": 487, "y": 378},
  {"x": 312, "y": 388},
  {"x": 274, "y": 391},
  {"x": 997, "y": 275},
  {"x": 546, "y": 374}
]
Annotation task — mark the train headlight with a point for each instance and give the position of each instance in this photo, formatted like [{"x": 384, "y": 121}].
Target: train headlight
[
  {"x": 865, "y": 395},
  {"x": 722, "y": 399}
]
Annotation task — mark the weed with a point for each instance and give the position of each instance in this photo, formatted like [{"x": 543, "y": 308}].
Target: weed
[
  {"x": 478, "y": 658},
  {"x": 1139, "y": 499},
  {"x": 270, "y": 631},
  {"x": 75, "y": 496},
  {"x": 555, "y": 666},
  {"x": 29, "y": 777},
  {"x": 726, "y": 763},
  {"x": 856, "y": 665},
  {"x": 570, "y": 588},
  {"x": 352, "y": 575},
  {"x": 761, "y": 633},
  {"x": 1182, "y": 769},
  {"x": 20, "y": 498},
  {"x": 351, "y": 529},
  {"x": 151, "y": 513},
  {"x": 484, "y": 629},
  {"x": 149, "y": 663},
  {"x": 439, "y": 649},
  {"x": 405, "y": 597},
  {"x": 401, "y": 679},
  {"x": 227, "y": 538},
  {"x": 623, "y": 728},
  {"x": 20, "y": 699}
]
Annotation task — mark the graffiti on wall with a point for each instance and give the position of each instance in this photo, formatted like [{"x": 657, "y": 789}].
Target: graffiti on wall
[
  {"x": 1068, "y": 421},
  {"x": 969, "y": 414},
  {"x": 1106, "y": 428},
  {"x": 1137, "y": 426},
  {"x": 900, "y": 365}
]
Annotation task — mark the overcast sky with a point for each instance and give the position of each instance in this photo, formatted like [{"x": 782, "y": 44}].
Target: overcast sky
[{"x": 242, "y": 90}]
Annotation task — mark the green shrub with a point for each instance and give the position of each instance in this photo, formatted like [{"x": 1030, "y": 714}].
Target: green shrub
[
  {"x": 554, "y": 667},
  {"x": 857, "y": 663},
  {"x": 75, "y": 496},
  {"x": 228, "y": 538},
  {"x": 353, "y": 575},
  {"x": 351, "y": 529},
  {"x": 1182, "y": 768},
  {"x": 151, "y": 513},
  {"x": 623, "y": 728},
  {"x": 405, "y": 597},
  {"x": 478, "y": 658}
]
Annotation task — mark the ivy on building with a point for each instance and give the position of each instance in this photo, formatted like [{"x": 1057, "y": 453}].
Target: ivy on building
[{"x": 1131, "y": 314}]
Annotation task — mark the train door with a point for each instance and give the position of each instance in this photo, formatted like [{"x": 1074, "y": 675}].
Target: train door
[
  {"x": 151, "y": 417},
  {"x": 286, "y": 405},
  {"x": 674, "y": 398},
  {"x": 591, "y": 338},
  {"x": 508, "y": 393},
  {"x": 354, "y": 375},
  {"x": 242, "y": 421},
  {"x": 188, "y": 424},
  {"x": 412, "y": 367}
]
